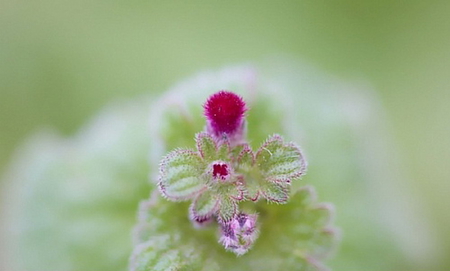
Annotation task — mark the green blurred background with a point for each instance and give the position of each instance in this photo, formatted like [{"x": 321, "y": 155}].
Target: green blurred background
[{"x": 61, "y": 61}]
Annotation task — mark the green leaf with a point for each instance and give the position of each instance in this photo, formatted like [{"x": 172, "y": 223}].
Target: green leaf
[
  {"x": 245, "y": 160},
  {"x": 227, "y": 210},
  {"x": 320, "y": 215},
  {"x": 148, "y": 252},
  {"x": 234, "y": 190},
  {"x": 324, "y": 241},
  {"x": 165, "y": 236},
  {"x": 206, "y": 146},
  {"x": 275, "y": 192},
  {"x": 301, "y": 233},
  {"x": 236, "y": 150},
  {"x": 223, "y": 152},
  {"x": 245, "y": 165},
  {"x": 252, "y": 189},
  {"x": 205, "y": 205},
  {"x": 156, "y": 255},
  {"x": 280, "y": 162},
  {"x": 180, "y": 173},
  {"x": 310, "y": 222}
]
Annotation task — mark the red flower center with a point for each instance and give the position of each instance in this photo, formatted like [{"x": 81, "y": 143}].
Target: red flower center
[{"x": 220, "y": 171}]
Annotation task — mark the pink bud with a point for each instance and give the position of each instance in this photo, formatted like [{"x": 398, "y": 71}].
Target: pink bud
[
  {"x": 224, "y": 113},
  {"x": 239, "y": 234}
]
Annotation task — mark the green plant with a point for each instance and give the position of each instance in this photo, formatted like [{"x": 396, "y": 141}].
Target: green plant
[
  {"x": 72, "y": 202},
  {"x": 229, "y": 184}
]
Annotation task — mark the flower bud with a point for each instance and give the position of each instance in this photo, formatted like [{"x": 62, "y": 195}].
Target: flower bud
[
  {"x": 225, "y": 115},
  {"x": 239, "y": 234}
]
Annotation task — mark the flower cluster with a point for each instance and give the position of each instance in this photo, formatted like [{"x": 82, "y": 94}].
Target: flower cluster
[
  {"x": 224, "y": 171},
  {"x": 240, "y": 233}
]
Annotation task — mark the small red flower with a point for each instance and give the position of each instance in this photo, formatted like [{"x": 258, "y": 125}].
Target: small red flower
[
  {"x": 224, "y": 112},
  {"x": 220, "y": 171}
]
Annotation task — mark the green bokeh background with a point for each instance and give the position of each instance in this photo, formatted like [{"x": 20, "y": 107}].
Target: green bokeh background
[{"x": 61, "y": 61}]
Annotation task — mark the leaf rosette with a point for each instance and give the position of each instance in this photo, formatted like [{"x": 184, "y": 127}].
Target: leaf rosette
[{"x": 206, "y": 176}]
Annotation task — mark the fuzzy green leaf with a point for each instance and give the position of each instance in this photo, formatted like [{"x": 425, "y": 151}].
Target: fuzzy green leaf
[
  {"x": 158, "y": 255},
  {"x": 245, "y": 160},
  {"x": 180, "y": 173},
  {"x": 236, "y": 151},
  {"x": 227, "y": 210},
  {"x": 206, "y": 146},
  {"x": 275, "y": 192},
  {"x": 205, "y": 205},
  {"x": 278, "y": 161},
  {"x": 252, "y": 191},
  {"x": 223, "y": 151},
  {"x": 234, "y": 190}
]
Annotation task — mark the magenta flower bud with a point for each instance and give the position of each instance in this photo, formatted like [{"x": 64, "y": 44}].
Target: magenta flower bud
[
  {"x": 225, "y": 115},
  {"x": 239, "y": 234}
]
